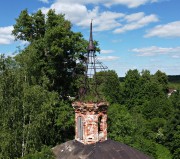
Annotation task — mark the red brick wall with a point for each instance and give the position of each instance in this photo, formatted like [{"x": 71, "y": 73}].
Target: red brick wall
[{"x": 90, "y": 113}]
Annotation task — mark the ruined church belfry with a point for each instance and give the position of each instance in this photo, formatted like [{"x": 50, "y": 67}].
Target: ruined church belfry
[
  {"x": 91, "y": 122},
  {"x": 91, "y": 117}
]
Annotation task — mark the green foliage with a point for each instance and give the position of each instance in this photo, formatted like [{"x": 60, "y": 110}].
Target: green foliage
[
  {"x": 121, "y": 125},
  {"x": 131, "y": 88},
  {"x": 10, "y": 94},
  {"x": 34, "y": 86},
  {"x": 159, "y": 107},
  {"x": 110, "y": 86},
  {"x": 145, "y": 145},
  {"x": 50, "y": 59},
  {"x": 138, "y": 89},
  {"x": 162, "y": 80},
  {"x": 34, "y": 114},
  {"x": 162, "y": 152},
  {"x": 104, "y": 86},
  {"x": 172, "y": 129},
  {"x": 149, "y": 109},
  {"x": 31, "y": 115},
  {"x": 174, "y": 78},
  {"x": 174, "y": 85},
  {"x": 23, "y": 29},
  {"x": 45, "y": 153}
]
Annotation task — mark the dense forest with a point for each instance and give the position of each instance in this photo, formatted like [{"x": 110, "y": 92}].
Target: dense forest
[{"x": 36, "y": 113}]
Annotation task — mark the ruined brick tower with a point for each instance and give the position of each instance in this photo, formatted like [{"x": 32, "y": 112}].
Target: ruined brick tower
[{"x": 90, "y": 121}]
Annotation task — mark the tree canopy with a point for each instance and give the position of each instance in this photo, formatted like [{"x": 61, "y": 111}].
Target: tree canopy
[{"x": 36, "y": 113}]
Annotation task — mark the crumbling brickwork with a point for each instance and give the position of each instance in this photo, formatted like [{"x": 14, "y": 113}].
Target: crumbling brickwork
[{"x": 91, "y": 122}]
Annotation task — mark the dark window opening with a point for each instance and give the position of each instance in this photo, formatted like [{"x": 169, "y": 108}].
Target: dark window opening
[
  {"x": 100, "y": 124},
  {"x": 80, "y": 127}
]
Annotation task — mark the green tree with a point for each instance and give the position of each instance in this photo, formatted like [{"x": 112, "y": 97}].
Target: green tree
[
  {"x": 159, "y": 107},
  {"x": 162, "y": 79},
  {"x": 45, "y": 153},
  {"x": 172, "y": 131},
  {"x": 54, "y": 49},
  {"x": 23, "y": 29},
  {"x": 31, "y": 115},
  {"x": 10, "y": 93},
  {"x": 34, "y": 84},
  {"x": 108, "y": 86},
  {"x": 121, "y": 125},
  {"x": 131, "y": 88}
]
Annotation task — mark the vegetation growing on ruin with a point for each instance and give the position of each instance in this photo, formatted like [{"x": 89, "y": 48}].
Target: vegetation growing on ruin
[{"x": 36, "y": 86}]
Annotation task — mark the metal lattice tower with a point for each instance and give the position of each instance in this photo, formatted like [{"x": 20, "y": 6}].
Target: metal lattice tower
[{"x": 93, "y": 65}]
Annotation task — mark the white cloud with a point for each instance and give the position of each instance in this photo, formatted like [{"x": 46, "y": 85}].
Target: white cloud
[
  {"x": 108, "y": 3},
  {"x": 137, "y": 20},
  {"x": 128, "y": 3},
  {"x": 134, "y": 17},
  {"x": 108, "y": 58},
  {"x": 73, "y": 12},
  {"x": 107, "y": 51},
  {"x": 5, "y": 35},
  {"x": 168, "y": 30},
  {"x": 44, "y": 1},
  {"x": 80, "y": 15},
  {"x": 176, "y": 56},
  {"x": 103, "y": 21},
  {"x": 154, "y": 50}
]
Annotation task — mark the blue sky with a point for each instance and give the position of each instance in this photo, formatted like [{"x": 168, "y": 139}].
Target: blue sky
[{"x": 133, "y": 34}]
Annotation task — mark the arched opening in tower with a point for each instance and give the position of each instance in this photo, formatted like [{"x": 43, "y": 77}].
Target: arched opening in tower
[
  {"x": 80, "y": 127},
  {"x": 100, "y": 126}
]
